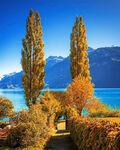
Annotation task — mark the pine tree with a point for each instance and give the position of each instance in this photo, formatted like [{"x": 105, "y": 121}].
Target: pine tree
[
  {"x": 78, "y": 47},
  {"x": 33, "y": 62}
]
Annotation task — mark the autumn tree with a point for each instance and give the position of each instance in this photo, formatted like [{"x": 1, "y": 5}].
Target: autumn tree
[
  {"x": 79, "y": 93},
  {"x": 33, "y": 62},
  {"x": 81, "y": 90},
  {"x": 6, "y": 107},
  {"x": 78, "y": 50}
]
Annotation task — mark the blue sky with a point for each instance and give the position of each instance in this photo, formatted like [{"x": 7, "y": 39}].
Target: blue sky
[{"x": 101, "y": 17}]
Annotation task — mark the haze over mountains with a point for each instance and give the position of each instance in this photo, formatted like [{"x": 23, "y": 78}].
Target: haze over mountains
[{"x": 104, "y": 69}]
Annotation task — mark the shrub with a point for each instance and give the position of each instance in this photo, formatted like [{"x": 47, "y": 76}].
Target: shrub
[
  {"x": 111, "y": 112},
  {"x": 6, "y": 107},
  {"x": 30, "y": 129},
  {"x": 51, "y": 106},
  {"x": 94, "y": 134},
  {"x": 96, "y": 108}
]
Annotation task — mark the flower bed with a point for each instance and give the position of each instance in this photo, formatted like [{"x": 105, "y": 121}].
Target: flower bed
[{"x": 95, "y": 134}]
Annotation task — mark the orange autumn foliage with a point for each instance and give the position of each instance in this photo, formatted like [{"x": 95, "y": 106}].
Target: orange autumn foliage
[
  {"x": 6, "y": 107},
  {"x": 32, "y": 61},
  {"x": 79, "y": 92},
  {"x": 50, "y": 106},
  {"x": 66, "y": 110},
  {"x": 60, "y": 96},
  {"x": 95, "y": 134},
  {"x": 95, "y": 107},
  {"x": 30, "y": 128}
]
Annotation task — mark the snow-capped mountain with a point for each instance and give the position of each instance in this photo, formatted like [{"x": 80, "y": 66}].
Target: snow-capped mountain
[
  {"x": 1, "y": 77},
  {"x": 7, "y": 75},
  {"x": 52, "y": 60},
  {"x": 90, "y": 49},
  {"x": 104, "y": 69}
]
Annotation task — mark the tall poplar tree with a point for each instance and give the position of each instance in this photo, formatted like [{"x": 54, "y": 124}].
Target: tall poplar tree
[
  {"x": 78, "y": 50},
  {"x": 33, "y": 62}
]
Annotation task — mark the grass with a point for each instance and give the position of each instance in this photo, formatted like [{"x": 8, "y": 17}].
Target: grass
[
  {"x": 62, "y": 127},
  {"x": 7, "y": 122}
]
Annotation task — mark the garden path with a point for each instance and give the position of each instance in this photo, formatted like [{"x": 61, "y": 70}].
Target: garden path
[{"x": 61, "y": 140}]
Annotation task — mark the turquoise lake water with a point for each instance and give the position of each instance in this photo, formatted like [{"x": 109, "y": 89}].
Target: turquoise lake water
[{"x": 110, "y": 96}]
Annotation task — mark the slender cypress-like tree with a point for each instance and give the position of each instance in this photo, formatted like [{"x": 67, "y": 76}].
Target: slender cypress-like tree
[
  {"x": 33, "y": 62},
  {"x": 78, "y": 51}
]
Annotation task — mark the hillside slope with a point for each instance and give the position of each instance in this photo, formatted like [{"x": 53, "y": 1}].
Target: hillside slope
[{"x": 104, "y": 69}]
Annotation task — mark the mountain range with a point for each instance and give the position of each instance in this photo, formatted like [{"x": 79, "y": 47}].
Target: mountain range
[{"x": 104, "y": 70}]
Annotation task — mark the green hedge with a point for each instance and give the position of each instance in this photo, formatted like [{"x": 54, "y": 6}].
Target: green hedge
[{"x": 94, "y": 134}]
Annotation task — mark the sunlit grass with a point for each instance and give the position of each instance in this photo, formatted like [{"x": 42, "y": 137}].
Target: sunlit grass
[
  {"x": 5, "y": 122},
  {"x": 61, "y": 125},
  {"x": 62, "y": 128}
]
